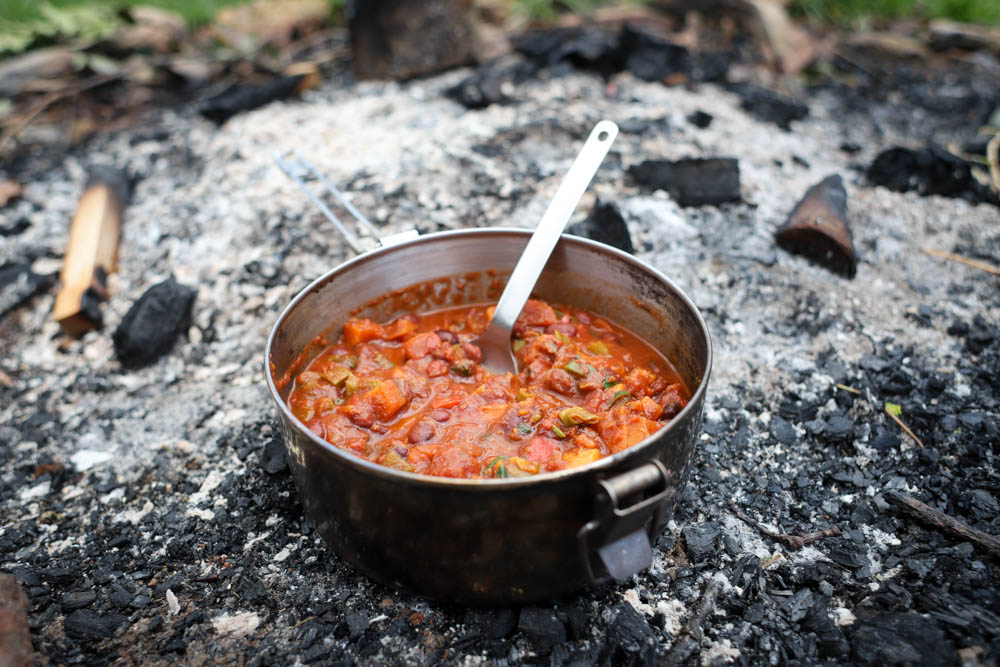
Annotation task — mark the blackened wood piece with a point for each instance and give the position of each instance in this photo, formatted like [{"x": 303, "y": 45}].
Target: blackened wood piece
[
  {"x": 400, "y": 39},
  {"x": 692, "y": 181},
  {"x": 817, "y": 228}
]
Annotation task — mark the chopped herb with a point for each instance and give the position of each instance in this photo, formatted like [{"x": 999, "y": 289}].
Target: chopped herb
[
  {"x": 501, "y": 472},
  {"x": 577, "y": 415},
  {"x": 597, "y": 347},
  {"x": 610, "y": 382},
  {"x": 575, "y": 368},
  {"x": 464, "y": 369},
  {"x": 622, "y": 395},
  {"x": 518, "y": 345},
  {"x": 523, "y": 429},
  {"x": 558, "y": 432}
]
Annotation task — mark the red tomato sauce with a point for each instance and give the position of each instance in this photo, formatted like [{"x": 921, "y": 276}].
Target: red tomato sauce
[{"x": 412, "y": 395}]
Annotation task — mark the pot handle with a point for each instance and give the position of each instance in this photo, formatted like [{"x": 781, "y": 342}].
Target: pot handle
[{"x": 617, "y": 543}]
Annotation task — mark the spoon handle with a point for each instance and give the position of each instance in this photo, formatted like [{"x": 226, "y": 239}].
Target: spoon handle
[{"x": 545, "y": 237}]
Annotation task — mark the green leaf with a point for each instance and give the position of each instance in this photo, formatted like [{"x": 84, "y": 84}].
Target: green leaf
[
  {"x": 894, "y": 409},
  {"x": 610, "y": 382}
]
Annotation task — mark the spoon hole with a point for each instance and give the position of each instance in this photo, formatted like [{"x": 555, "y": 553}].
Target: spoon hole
[{"x": 603, "y": 136}]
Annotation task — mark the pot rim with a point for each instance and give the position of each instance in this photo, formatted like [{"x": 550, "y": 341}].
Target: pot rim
[{"x": 485, "y": 484}]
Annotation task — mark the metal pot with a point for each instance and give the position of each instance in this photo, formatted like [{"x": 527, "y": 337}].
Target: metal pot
[{"x": 493, "y": 541}]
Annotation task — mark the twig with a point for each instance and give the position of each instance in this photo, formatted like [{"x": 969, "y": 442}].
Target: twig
[
  {"x": 844, "y": 387},
  {"x": 938, "y": 519},
  {"x": 5, "y": 380},
  {"x": 692, "y": 633},
  {"x": 791, "y": 541},
  {"x": 894, "y": 413},
  {"x": 982, "y": 266}
]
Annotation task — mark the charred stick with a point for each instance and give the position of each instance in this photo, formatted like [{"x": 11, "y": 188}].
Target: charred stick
[
  {"x": 692, "y": 633},
  {"x": 793, "y": 542},
  {"x": 937, "y": 519}
]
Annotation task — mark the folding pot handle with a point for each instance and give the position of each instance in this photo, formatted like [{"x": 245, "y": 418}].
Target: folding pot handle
[{"x": 617, "y": 543}]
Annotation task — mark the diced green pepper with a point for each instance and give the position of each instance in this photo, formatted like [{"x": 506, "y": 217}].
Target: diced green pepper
[
  {"x": 576, "y": 368},
  {"x": 597, "y": 347},
  {"x": 518, "y": 345},
  {"x": 558, "y": 432}
]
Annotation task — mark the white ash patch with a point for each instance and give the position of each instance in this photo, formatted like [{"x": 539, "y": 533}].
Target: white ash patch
[
  {"x": 236, "y": 625},
  {"x": 719, "y": 652}
]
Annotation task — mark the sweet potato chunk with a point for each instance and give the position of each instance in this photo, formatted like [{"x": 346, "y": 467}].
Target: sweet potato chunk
[
  {"x": 361, "y": 330},
  {"x": 386, "y": 399}
]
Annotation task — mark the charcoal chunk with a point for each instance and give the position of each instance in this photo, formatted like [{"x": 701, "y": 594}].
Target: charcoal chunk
[
  {"x": 18, "y": 283},
  {"x": 606, "y": 225},
  {"x": 931, "y": 170},
  {"x": 692, "y": 181},
  {"x": 767, "y": 105},
  {"x": 87, "y": 624},
  {"x": 652, "y": 58},
  {"x": 798, "y": 606},
  {"x": 631, "y": 637},
  {"x": 492, "y": 623},
  {"x": 902, "y": 639},
  {"x": 357, "y": 623},
  {"x": 480, "y": 89},
  {"x": 818, "y": 620},
  {"x": 783, "y": 431},
  {"x": 542, "y": 627},
  {"x": 153, "y": 323},
  {"x": 274, "y": 457},
  {"x": 700, "y": 119},
  {"x": 700, "y": 541},
  {"x": 246, "y": 97},
  {"x": 77, "y": 599}
]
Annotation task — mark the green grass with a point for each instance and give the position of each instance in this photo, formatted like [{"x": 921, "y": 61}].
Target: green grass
[{"x": 869, "y": 13}]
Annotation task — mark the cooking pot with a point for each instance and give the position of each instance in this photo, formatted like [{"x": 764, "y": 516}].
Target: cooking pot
[{"x": 503, "y": 541}]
